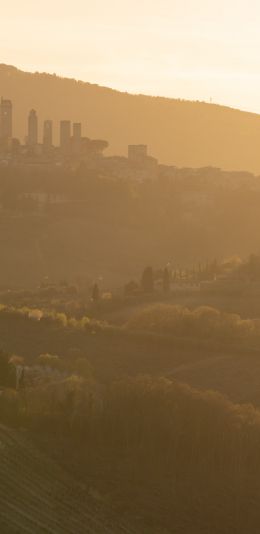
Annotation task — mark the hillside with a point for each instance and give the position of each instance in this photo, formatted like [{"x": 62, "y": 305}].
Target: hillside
[
  {"x": 37, "y": 496},
  {"x": 115, "y": 233},
  {"x": 158, "y": 453},
  {"x": 230, "y": 366},
  {"x": 178, "y": 132},
  {"x": 109, "y": 440}
]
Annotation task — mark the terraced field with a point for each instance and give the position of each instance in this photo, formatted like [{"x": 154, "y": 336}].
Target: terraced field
[{"x": 37, "y": 496}]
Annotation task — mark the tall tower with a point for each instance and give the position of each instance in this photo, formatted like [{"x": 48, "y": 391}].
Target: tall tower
[
  {"x": 76, "y": 138},
  {"x": 65, "y": 128},
  {"x": 32, "y": 128},
  {"x": 77, "y": 131},
  {"x": 47, "y": 135},
  {"x": 5, "y": 118}
]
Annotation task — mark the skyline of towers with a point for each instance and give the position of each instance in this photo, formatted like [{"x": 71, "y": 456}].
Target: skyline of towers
[
  {"x": 32, "y": 139},
  {"x": 6, "y": 118},
  {"x": 70, "y": 134}
]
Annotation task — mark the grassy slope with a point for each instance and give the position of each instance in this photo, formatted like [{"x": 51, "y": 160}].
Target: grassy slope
[
  {"x": 178, "y": 132},
  {"x": 37, "y": 496}
]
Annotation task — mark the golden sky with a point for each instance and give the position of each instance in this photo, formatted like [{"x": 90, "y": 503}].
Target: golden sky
[{"x": 192, "y": 49}]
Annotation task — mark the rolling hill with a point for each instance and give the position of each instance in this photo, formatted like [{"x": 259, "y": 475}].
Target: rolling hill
[{"x": 181, "y": 133}]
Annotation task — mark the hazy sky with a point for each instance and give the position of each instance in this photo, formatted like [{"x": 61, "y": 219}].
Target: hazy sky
[{"x": 195, "y": 49}]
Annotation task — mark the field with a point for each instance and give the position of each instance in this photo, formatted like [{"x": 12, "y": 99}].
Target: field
[{"x": 37, "y": 496}]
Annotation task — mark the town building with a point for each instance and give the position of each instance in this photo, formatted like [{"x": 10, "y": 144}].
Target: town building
[
  {"x": 77, "y": 131},
  {"x": 47, "y": 135},
  {"x": 65, "y": 133},
  {"x": 137, "y": 153},
  {"x": 76, "y": 141},
  {"x": 5, "y": 119},
  {"x": 32, "y": 139}
]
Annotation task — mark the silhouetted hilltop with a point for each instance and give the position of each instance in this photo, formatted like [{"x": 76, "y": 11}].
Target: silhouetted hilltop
[{"x": 178, "y": 132}]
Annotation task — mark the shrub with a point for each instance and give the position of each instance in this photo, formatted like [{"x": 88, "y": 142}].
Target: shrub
[
  {"x": 203, "y": 322},
  {"x": 7, "y": 371},
  {"x": 50, "y": 360}
]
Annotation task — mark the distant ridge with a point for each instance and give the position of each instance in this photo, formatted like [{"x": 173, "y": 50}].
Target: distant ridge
[{"x": 178, "y": 132}]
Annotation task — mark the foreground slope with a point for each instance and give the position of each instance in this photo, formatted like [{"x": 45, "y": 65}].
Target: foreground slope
[
  {"x": 178, "y": 132},
  {"x": 37, "y": 496}
]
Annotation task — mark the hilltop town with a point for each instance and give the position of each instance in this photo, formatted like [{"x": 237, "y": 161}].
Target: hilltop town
[
  {"x": 38, "y": 150},
  {"x": 74, "y": 150}
]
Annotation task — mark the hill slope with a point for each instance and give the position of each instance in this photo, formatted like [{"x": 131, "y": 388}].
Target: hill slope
[
  {"x": 37, "y": 496},
  {"x": 178, "y": 132}
]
